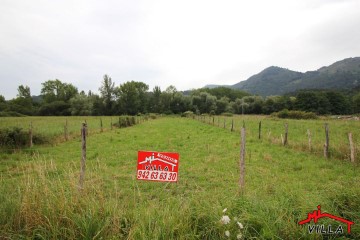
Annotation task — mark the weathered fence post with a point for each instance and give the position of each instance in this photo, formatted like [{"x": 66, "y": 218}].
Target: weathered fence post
[
  {"x": 326, "y": 145},
  {"x": 86, "y": 129},
  {"x": 309, "y": 139},
  {"x": 286, "y": 134},
  {"x": 260, "y": 130},
  {"x": 66, "y": 130},
  {"x": 224, "y": 123},
  {"x": 352, "y": 150},
  {"x": 213, "y": 120},
  {"x": 242, "y": 159},
  {"x": 83, "y": 156},
  {"x": 232, "y": 125},
  {"x": 101, "y": 125},
  {"x": 111, "y": 124},
  {"x": 218, "y": 122},
  {"x": 31, "y": 135}
]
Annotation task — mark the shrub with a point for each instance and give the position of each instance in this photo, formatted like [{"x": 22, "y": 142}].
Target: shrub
[
  {"x": 187, "y": 114},
  {"x": 11, "y": 114},
  {"x": 227, "y": 114},
  {"x": 152, "y": 115},
  {"x": 17, "y": 137},
  {"x": 125, "y": 121},
  {"x": 294, "y": 114}
]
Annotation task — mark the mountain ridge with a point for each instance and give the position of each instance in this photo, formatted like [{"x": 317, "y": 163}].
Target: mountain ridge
[{"x": 274, "y": 80}]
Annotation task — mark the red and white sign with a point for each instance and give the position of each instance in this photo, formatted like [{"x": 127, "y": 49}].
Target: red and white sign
[{"x": 158, "y": 166}]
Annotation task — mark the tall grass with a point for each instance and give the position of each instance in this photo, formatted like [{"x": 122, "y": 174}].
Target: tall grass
[{"x": 40, "y": 197}]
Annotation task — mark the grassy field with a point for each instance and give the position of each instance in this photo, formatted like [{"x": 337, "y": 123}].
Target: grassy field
[{"x": 40, "y": 198}]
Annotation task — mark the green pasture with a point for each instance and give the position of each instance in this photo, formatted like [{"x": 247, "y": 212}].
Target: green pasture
[{"x": 40, "y": 199}]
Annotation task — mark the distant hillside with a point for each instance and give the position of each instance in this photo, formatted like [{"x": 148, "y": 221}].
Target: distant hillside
[
  {"x": 273, "y": 80},
  {"x": 269, "y": 81},
  {"x": 215, "y": 86}
]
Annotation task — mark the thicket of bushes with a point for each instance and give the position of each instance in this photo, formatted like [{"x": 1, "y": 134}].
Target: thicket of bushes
[
  {"x": 15, "y": 137},
  {"x": 294, "y": 114}
]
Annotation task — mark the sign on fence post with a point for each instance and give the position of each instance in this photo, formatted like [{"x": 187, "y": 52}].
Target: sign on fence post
[{"x": 158, "y": 166}]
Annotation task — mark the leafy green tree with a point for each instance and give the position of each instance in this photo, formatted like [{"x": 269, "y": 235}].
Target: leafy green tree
[
  {"x": 254, "y": 104},
  {"x": 167, "y": 97},
  {"x": 55, "y": 90},
  {"x": 132, "y": 97},
  {"x": 204, "y": 102},
  {"x": 222, "y": 105},
  {"x": 55, "y": 108},
  {"x": 356, "y": 103},
  {"x": 230, "y": 93},
  {"x": 307, "y": 101},
  {"x": 98, "y": 108},
  {"x": 107, "y": 92},
  {"x": 81, "y": 105},
  {"x": 155, "y": 100},
  {"x": 24, "y": 92},
  {"x": 179, "y": 103},
  {"x": 339, "y": 104},
  {"x": 3, "y": 104}
]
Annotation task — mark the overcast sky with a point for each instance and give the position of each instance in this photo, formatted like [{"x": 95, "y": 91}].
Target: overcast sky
[{"x": 186, "y": 43}]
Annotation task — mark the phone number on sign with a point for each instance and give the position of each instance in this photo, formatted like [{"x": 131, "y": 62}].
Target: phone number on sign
[{"x": 157, "y": 175}]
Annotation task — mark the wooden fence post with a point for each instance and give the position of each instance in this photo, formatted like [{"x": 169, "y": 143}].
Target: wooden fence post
[
  {"x": 309, "y": 139},
  {"x": 101, "y": 125},
  {"x": 352, "y": 150},
  {"x": 286, "y": 134},
  {"x": 326, "y": 145},
  {"x": 218, "y": 122},
  {"x": 111, "y": 124},
  {"x": 232, "y": 125},
  {"x": 31, "y": 135},
  {"x": 260, "y": 130},
  {"x": 242, "y": 159},
  {"x": 66, "y": 130},
  {"x": 86, "y": 129},
  {"x": 213, "y": 120},
  {"x": 83, "y": 156},
  {"x": 224, "y": 123}
]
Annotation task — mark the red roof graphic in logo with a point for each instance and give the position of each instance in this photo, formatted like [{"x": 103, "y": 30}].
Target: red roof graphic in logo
[{"x": 317, "y": 214}]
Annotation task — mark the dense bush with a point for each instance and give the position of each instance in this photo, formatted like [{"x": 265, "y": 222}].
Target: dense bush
[
  {"x": 187, "y": 114},
  {"x": 125, "y": 122},
  {"x": 152, "y": 115},
  {"x": 17, "y": 137},
  {"x": 11, "y": 114},
  {"x": 227, "y": 114},
  {"x": 295, "y": 114}
]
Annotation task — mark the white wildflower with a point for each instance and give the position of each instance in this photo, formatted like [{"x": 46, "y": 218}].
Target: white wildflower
[
  {"x": 240, "y": 225},
  {"x": 227, "y": 233},
  {"x": 225, "y": 219},
  {"x": 225, "y": 210},
  {"x": 239, "y": 236}
]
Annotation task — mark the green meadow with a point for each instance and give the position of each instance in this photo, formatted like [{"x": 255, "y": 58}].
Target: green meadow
[{"x": 40, "y": 198}]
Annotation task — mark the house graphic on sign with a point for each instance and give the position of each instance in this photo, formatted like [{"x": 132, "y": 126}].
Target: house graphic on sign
[
  {"x": 317, "y": 214},
  {"x": 152, "y": 158}
]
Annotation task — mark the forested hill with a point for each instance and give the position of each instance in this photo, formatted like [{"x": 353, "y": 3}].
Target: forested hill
[{"x": 343, "y": 74}]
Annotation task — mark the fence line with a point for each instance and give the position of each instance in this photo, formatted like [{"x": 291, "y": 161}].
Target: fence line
[{"x": 296, "y": 144}]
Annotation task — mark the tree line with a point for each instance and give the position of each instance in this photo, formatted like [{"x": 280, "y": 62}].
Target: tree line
[{"x": 130, "y": 98}]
